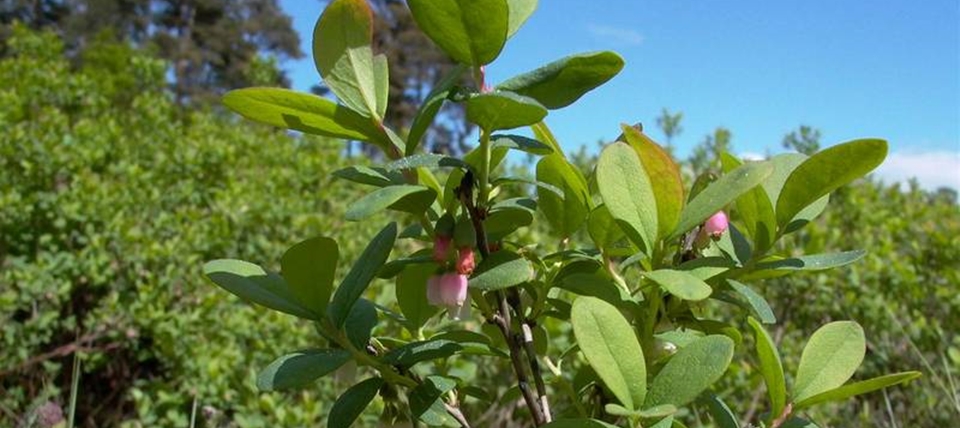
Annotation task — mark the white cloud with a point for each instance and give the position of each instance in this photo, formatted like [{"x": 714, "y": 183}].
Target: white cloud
[
  {"x": 931, "y": 169},
  {"x": 627, "y": 36},
  {"x": 752, "y": 156}
]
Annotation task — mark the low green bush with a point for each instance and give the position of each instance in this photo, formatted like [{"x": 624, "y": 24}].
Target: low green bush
[{"x": 111, "y": 198}]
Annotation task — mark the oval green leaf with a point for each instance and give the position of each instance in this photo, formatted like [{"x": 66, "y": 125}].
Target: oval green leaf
[
  {"x": 826, "y": 171},
  {"x": 664, "y": 176},
  {"x": 566, "y": 211},
  {"x": 830, "y": 357},
  {"x": 813, "y": 262},
  {"x": 362, "y": 272},
  {"x": 351, "y": 404},
  {"x": 628, "y": 193},
  {"x": 720, "y": 193},
  {"x": 770, "y": 367},
  {"x": 305, "y": 113},
  {"x": 251, "y": 282},
  {"x": 681, "y": 284},
  {"x": 344, "y": 58},
  {"x": 857, "y": 388},
  {"x": 494, "y": 111},
  {"x": 403, "y": 197},
  {"x": 411, "y": 292},
  {"x": 610, "y": 345},
  {"x": 521, "y": 143},
  {"x": 755, "y": 209},
  {"x": 520, "y": 11},
  {"x": 360, "y": 323},
  {"x": 309, "y": 268},
  {"x": 500, "y": 270},
  {"x": 415, "y": 352},
  {"x": 753, "y": 301},
  {"x": 560, "y": 83},
  {"x": 472, "y": 32},
  {"x": 603, "y": 228},
  {"x": 691, "y": 371},
  {"x": 783, "y": 166},
  {"x": 300, "y": 368},
  {"x": 431, "y": 105}
]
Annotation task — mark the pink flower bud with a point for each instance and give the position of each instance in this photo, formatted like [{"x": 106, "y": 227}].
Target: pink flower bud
[
  {"x": 449, "y": 290},
  {"x": 716, "y": 224},
  {"x": 466, "y": 261},
  {"x": 441, "y": 248}
]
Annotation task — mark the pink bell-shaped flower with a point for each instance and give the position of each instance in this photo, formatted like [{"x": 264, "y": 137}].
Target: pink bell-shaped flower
[
  {"x": 712, "y": 228},
  {"x": 716, "y": 224},
  {"x": 449, "y": 290}
]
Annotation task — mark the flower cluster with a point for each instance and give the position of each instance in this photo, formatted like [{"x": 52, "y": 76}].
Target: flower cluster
[{"x": 448, "y": 288}]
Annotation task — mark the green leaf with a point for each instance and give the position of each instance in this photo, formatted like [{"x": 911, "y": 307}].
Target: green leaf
[
  {"x": 857, "y": 388},
  {"x": 500, "y": 270},
  {"x": 411, "y": 292},
  {"x": 403, "y": 197},
  {"x": 493, "y": 111},
  {"x": 722, "y": 416},
  {"x": 381, "y": 80},
  {"x": 300, "y": 368},
  {"x": 664, "y": 176},
  {"x": 521, "y": 143},
  {"x": 578, "y": 423},
  {"x": 651, "y": 413},
  {"x": 415, "y": 352},
  {"x": 362, "y": 272},
  {"x": 426, "y": 401},
  {"x": 430, "y": 106},
  {"x": 250, "y": 282},
  {"x": 504, "y": 221},
  {"x": 472, "y": 32},
  {"x": 560, "y": 83},
  {"x": 707, "y": 267},
  {"x": 426, "y": 160},
  {"x": 565, "y": 213},
  {"x": 609, "y": 343},
  {"x": 830, "y": 357},
  {"x": 520, "y": 11},
  {"x": 813, "y": 262},
  {"x": 303, "y": 112},
  {"x": 596, "y": 285},
  {"x": 770, "y": 367},
  {"x": 691, "y": 371},
  {"x": 755, "y": 208},
  {"x": 681, "y": 284},
  {"x": 542, "y": 133},
  {"x": 308, "y": 268},
  {"x": 720, "y": 193},
  {"x": 628, "y": 194},
  {"x": 342, "y": 53},
  {"x": 360, "y": 322},
  {"x": 603, "y": 228},
  {"x": 371, "y": 176},
  {"x": 826, "y": 171},
  {"x": 352, "y": 403},
  {"x": 783, "y": 166},
  {"x": 754, "y": 301}
]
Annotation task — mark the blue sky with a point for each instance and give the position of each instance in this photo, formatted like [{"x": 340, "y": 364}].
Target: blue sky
[{"x": 888, "y": 68}]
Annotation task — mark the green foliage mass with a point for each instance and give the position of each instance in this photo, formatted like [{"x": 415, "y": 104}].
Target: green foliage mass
[{"x": 111, "y": 198}]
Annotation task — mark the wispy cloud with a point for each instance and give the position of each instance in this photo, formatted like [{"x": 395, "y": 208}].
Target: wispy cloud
[
  {"x": 627, "y": 36},
  {"x": 932, "y": 169}
]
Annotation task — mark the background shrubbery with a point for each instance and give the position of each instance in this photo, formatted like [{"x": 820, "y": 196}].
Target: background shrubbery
[{"x": 112, "y": 196}]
